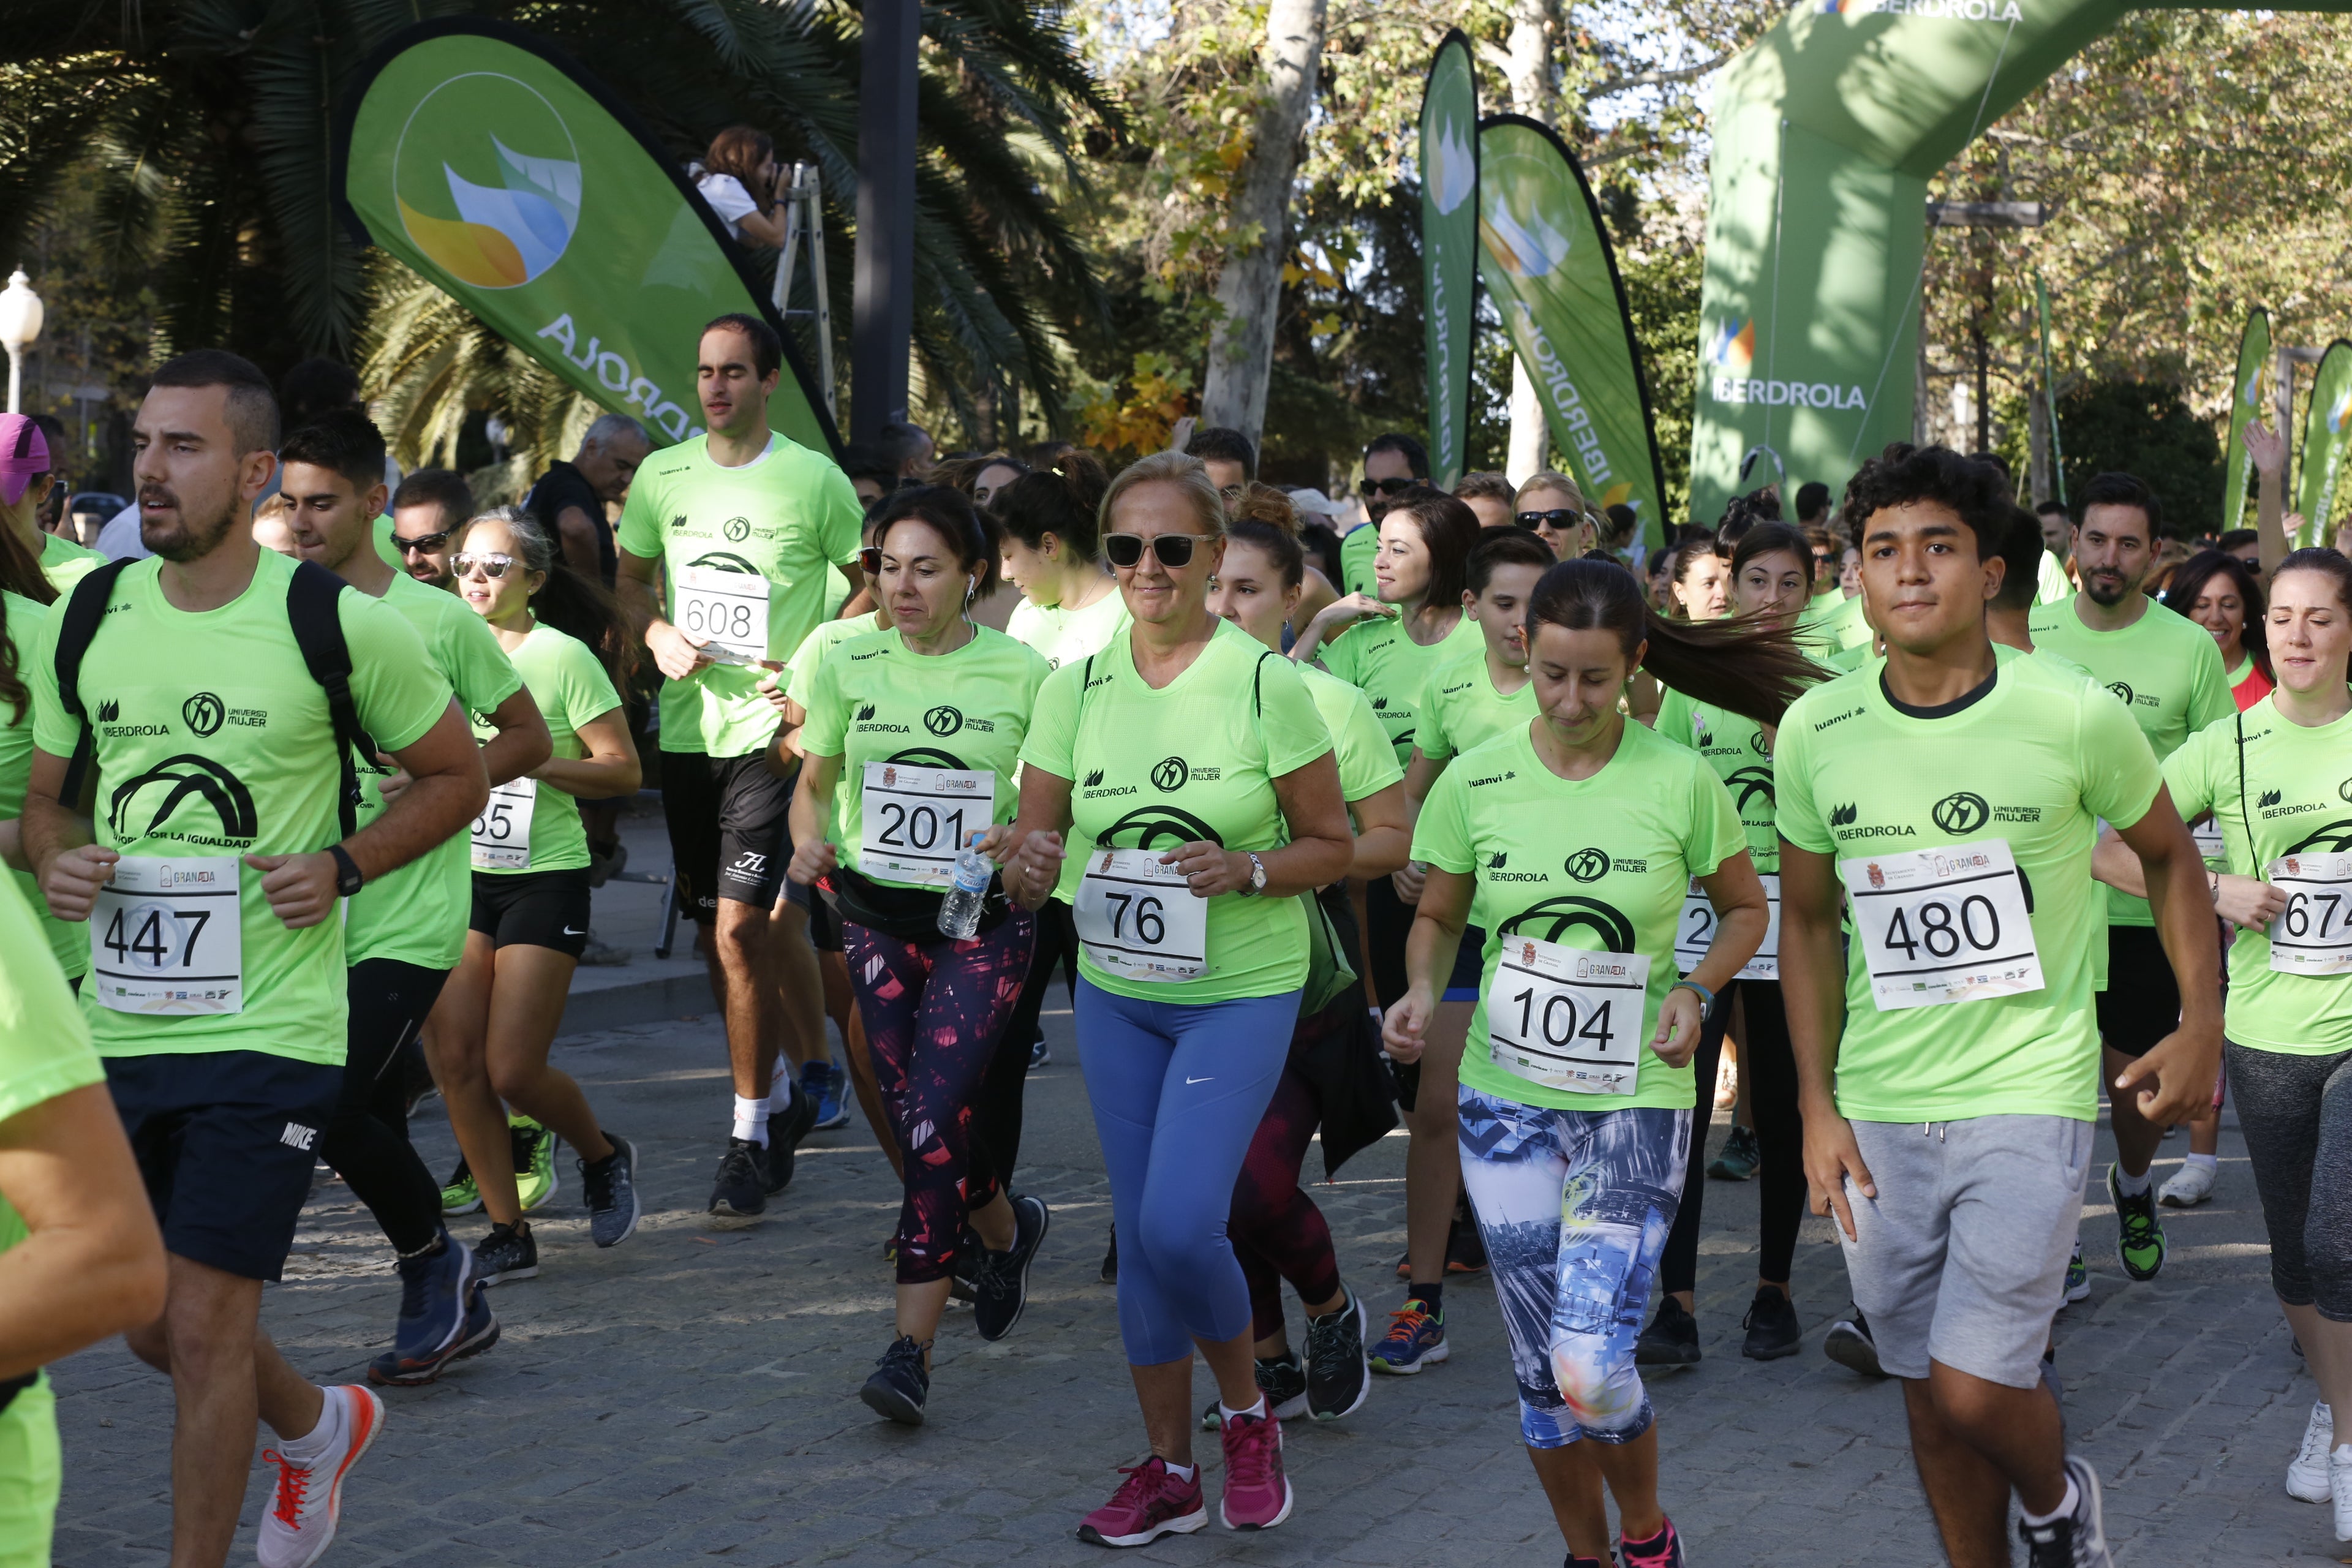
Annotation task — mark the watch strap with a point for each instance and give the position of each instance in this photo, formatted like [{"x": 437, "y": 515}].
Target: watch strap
[{"x": 348, "y": 879}]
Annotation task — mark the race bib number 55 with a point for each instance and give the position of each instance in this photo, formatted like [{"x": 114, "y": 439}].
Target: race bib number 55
[
  {"x": 164, "y": 938},
  {"x": 1139, "y": 919},
  {"x": 1566, "y": 1018},
  {"x": 1939, "y": 926}
]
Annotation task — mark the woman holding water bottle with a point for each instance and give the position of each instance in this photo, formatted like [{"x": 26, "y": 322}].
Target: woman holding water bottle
[{"x": 907, "y": 758}]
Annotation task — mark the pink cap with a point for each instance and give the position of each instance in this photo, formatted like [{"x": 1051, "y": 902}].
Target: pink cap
[{"x": 24, "y": 452}]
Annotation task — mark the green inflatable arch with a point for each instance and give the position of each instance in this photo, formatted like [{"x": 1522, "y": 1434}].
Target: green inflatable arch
[{"x": 1826, "y": 132}]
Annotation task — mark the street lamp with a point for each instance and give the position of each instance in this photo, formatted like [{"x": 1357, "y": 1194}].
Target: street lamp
[{"x": 20, "y": 324}]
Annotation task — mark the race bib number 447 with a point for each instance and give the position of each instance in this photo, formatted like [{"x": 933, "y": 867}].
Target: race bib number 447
[
  {"x": 1138, "y": 919},
  {"x": 1939, "y": 926},
  {"x": 164, "y": 938}
]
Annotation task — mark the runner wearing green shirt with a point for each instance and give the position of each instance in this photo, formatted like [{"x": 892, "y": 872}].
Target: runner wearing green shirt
[
  {"x": 27, "y": 478},
  {"x": 216, "y": 994},
  {"x": 21, "y": 620},
  {"x": 743, "y": 528},
  {"x": 1394, "y": 463},
  {"x": 403, "y": 933},
  {"x": 1570, "y": 841},
  {"x": 1931, "y": 789},
  {"x": 2167, "y": 670},
  {"x": 1193, "y": 776}
]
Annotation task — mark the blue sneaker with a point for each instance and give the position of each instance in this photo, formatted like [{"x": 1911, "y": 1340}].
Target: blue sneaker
[
  {"x": 442, "y": 1317},
  {"x": 826, "y": 1082},
  {"x": 1416, "y": 1338}
]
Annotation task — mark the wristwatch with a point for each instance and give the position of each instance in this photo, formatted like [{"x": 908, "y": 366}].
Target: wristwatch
[
  {"x": 347, "y": 871},
  {"x": 1706, "y": 997},
  {"x": 1257, "y": 876}
]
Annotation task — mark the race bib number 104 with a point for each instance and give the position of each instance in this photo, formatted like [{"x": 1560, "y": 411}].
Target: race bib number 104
[{"x": 1939, "y": 926}]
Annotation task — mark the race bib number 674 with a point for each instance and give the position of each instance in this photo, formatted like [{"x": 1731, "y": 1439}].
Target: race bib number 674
[{"x": 1940, "y": 926}]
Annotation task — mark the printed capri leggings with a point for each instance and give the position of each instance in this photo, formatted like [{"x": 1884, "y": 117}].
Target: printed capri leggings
[
  {"x": 1278, "y": 1232},
  {"x": 1573, "y": 1206},
  {"x": 932, "y": 1012},
  {"x": 1769, "y": 1066},
  {"x": 1178, "y": 1090},
  {"x": 2297, "y": 1114}
]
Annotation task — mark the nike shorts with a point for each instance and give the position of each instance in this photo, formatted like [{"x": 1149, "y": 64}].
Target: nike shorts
[
  {"x": 2142, "y": 1002},
  {"x": 224, "y": 1141},
  {"x": 534, "y": 909},
  {"x": 729, "y": 835}
]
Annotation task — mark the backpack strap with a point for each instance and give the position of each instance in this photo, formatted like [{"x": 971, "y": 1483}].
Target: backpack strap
[
  {"x": 76, "y": 629},
  {"x": 312, "y": 596}
]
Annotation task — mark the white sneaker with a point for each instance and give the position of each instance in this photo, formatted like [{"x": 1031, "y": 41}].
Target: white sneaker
[
  {"x": 2306, "y": 1475},
  {"x": 299, "y": 1524},
  {"x": 2339, "y": 1486},
  {"x": 2189, "y": 1186}
]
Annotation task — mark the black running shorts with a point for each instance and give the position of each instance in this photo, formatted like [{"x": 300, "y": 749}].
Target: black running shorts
[
  {"x": 534, "y": 909},
  {"x": 728, "y": 836},
  {"x": 2142, "y": 1002}
]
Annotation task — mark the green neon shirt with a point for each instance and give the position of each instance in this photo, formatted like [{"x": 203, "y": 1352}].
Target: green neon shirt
[
  {"x": 2296, "y": 781},
  {"x": 874, "y": 700},
  {"x": 1600, "y": 863},
  {"x": 1735, "y": 751},
  {"x": 1837, "y": 628},
  {"x": 1063, "y": 636},
  {"x": 801, "y": 668},
  {"x": 788, "y": 515},
  {"x": 2035, "y": 761},
  {"x": 571, "y": 687},
  {"x": 1359, "y": 548},
  {"x": 418, "y": 914},
  {"x": 2051, "y": 583},
  {"x": 1367, "y": 762},
  {"x": 382, "y": 531},
  {"x": 1393, "y": 671},
  {"x": 2168, "y": 671},
  {"x": 250, "y": 770},
  {"x": 1194, "y": 760},
  {"x": 68, "y": 939},
  {"x": 64, "y": 563},
  {"x": 1460, "y": 709}
]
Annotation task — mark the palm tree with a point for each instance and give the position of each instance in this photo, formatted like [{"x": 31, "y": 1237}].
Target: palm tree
[{"x": 207, "y": 124}]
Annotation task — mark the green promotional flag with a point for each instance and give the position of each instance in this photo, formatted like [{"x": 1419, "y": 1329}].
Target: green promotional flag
[
  {"x": 1545, "y": 260},
  {"x": 1449, "y": 248},
  {"x": 2247, "y": 395},
  {"x": 502, "y": 172},
  {"x": 2326, "y": 428}
]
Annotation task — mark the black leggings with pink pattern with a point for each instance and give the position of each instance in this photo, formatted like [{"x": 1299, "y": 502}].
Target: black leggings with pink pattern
[{"x": 1276, "y": 1231}]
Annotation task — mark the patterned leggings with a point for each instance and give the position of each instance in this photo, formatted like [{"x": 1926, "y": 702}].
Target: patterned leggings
[
  {"x": 1573, "y": 1206},
  {"x": 932, "y": 1012},
  {"x": 1276, "y": 1231}
]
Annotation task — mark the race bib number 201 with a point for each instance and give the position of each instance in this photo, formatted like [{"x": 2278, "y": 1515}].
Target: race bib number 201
[
  {"x": 1697, "y": 932},
  {"x": 164, "y": 939},
  {"x": 1939, "y": 926},
  {"x": 914, "y": 820},
  {"x": 1138, "y": 919}
]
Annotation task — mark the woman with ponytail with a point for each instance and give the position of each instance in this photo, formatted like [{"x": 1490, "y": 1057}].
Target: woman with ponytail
[
  {"x": 1570, "y": 841},
  {"x": 1070, "y": 606}
]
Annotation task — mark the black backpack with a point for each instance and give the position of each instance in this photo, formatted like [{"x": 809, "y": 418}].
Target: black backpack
[{"x": 311, "y": 597}]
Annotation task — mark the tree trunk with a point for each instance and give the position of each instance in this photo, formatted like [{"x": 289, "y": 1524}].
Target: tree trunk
[
  {"x": 1240, "y": 348},
  {"x": 1533, "y": 23},
  {"x": 1530, "y": 436}
]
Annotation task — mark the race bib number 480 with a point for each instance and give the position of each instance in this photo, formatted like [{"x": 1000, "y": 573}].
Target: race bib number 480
[
  {"x": 728, "y": 610},
  {"x": 1693, "y": 937},
  {"x": 1138, "y": 919},
  {"x": 1566, "y": 1018},
  {"x": 164, "y": 938},
  {"x": 913, "y": 820},
  {"x": 1939, "y": 926},
  {"x": 2313, "y": 935}
]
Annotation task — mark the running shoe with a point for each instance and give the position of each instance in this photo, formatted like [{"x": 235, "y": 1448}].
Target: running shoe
[
  {"x": 461, "y": 1195},
  {"x": 1404, "y": 1268},
  {"x": 1849, "y": 1344},
  {"x": 2339, "y": 1488},
  {"x": 1040, "y": 1053},
  {"x": 1149, "y": 1504},
  {"x": 2140, "y": 1242},
  {"x": 1465, "y": 1249},
  {"x": 1281, "y": 1379},
  {"x": 1773, "y": 1331},
  {"x": 2189, "y": 1186},
  {"x": 2078, "y": 1538},
  {"x": 786, "y": 1127},
  {"x": 1110, "y": 1258},
  {"x": 1256, "y": 1493},
  {"x": 823, "y": 1082},
  {"x": 506, "y": 1254},
  {"x": 2306, "y": 1475},
  {"x": 1000, "y": 1286},
  {"x": 1671, "y": 1340},
  {"x": 739, "y": 1194},
  {"x": 898, "y": 1384},
  {"x": 1664, "y": 1550},
  {"x": 611, "y": 1185},
  {"x": 1337, "y": 1376},
  {"x": 534, "y": 1162},
  {"x": 436, "y": 1317},
  {"x": 1416, "y": 1338},
  {"x": 1742, "y": 1154},
  {"x": 2078, "y": 1274},
  {"x": 299, "y": 1524}
]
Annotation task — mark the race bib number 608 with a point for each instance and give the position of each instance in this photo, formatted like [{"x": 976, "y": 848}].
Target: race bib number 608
[{"x": 1939, "y": 926}]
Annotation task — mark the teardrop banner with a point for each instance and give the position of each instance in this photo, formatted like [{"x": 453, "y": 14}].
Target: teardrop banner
[
  {"x": 1449, "y": 248},
  {"x": 2327, "y": 429},
  {"x": 2249, "y": 399},
  {"x": 1545, "y": 260},
  {"x": 494, "y": 165}
]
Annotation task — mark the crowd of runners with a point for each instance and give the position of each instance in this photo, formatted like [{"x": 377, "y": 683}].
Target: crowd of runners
[{"x": 1481, "y": 819}]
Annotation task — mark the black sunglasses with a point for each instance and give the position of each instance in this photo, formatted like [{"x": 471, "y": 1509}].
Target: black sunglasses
[
  {"x": 417, "y": 546},
  {"x": 869, "y": 560},
  {"x": 1175, "y": 550},
  {"x": 1389, "y": 486},
  {"x": 1559, "y": 517}
]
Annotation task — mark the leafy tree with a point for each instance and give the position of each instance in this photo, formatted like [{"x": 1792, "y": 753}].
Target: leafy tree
[{"x": 2146, "y": 428}]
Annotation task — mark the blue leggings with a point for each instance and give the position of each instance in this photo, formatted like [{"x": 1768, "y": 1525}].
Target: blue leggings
[{"x": 1178, "y": 1092}]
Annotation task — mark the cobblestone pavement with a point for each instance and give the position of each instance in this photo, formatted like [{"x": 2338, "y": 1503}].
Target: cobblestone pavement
[{"x": 692, "y": 1394}]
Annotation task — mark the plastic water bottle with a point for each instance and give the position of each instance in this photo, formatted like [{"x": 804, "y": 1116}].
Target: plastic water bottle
[{"x": 960, "y": 909}]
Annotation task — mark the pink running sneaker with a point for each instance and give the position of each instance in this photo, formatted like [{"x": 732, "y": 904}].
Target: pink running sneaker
[
  {"x": 1149, "y": 1504},
  {"x": 1257, "y": 1494},
  {"x": 1664, "y": 1550}
]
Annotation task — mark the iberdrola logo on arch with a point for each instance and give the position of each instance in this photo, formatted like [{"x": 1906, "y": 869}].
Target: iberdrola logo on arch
[
  {"x": 1517, "y": 235},
  {"x": 1731, "y": 350},
  {"x": 487, "y": 178}
]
